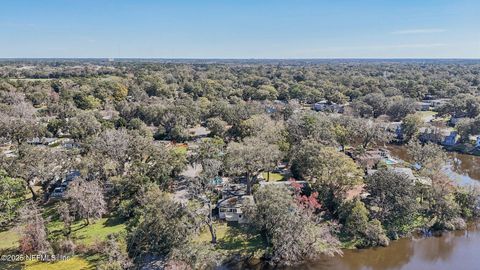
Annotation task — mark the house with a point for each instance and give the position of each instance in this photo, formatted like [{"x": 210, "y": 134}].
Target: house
[
  {"x": 199, "y": 132},
  {"x": 327, "y": 106},
  {"x": 43, "y": 141},
  {"x": 443, "y": 136},
  {"x": 233, "y": 190},
  {"x": 371, "y": 158},
  {"x": 275, "y": 107},
  {"x": 231, "y": 209},
  {"x": 454, "y": 120},
  {"x": 431, "y": 103},
  {"x": 35, "y": 141},
  {"x": 108, "y": 114},
  {"x": 62, "y": 134},
  {"x": 71, "y": 175},
  {"x": 395, "y": 128},
  {"x": 410, "y": 176},
  {"x": 50, "y": 141},
  {"x": 450, "y": 139},
  {"x": 70, "y": 144},
  {"x": 424, "y": 181},
  {"x": 433, "y": 134},
  {"x": 9, "y": 153},
  {"x": 270, "y": 110},
  {"x": 436, "y": 103},
  {"x": 408, "y": 173},
  {"x": 422, "y": 106}
]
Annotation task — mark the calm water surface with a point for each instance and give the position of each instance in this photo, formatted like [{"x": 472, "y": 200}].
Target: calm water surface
[
  {"x": 453, "y": 250},
  {"x": 463, "y": 169}
]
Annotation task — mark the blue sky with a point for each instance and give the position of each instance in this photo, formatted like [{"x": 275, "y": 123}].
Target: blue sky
[{"x": 240, "y": 28}]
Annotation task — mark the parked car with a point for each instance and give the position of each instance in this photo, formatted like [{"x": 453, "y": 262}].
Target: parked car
[
  {"x": 72, "y": 175},
  {"x": 58, "y": 193}
]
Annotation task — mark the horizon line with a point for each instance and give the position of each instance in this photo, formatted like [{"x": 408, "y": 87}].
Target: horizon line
[{"x": 249, "y": 58}]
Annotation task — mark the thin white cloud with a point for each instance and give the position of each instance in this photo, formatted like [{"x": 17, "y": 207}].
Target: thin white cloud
[
  {"x": 429, "y": 45},
  {"x": 419, "y": 31},
  {"x": 378, "y": 47}
]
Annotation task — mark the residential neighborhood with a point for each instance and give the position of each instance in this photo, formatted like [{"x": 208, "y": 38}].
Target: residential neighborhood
[{"x": 257, "y": 135}]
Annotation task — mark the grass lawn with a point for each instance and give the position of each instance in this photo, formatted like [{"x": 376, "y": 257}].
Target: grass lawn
[
  {"x": 87, "y": 235},
  {"x": 426, "y": 115},
  {"x": 74, "y": 263},
  {"x": 11, "y": 265},
  {"x": 205, "y": 234},
  {"x": 233, "y": 238},
  {"x": 36, "y": 189},
  {"x": 273, "y": 176},
  {"x": 181, "y": 149},
  {"x": 8, "y": 239},
  {"x": 98, "y": 231}
]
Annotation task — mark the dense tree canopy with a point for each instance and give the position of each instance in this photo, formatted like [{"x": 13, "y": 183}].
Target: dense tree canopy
[
  {"x": 158, "y": 145},
  {"x": 392, "y": 200},
  {"x": 292, "y": 235}
]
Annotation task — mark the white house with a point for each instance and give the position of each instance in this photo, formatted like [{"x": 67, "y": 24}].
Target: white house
[
  {"x": 327, "y": 106},
  {"x": 231, "y": 209}
]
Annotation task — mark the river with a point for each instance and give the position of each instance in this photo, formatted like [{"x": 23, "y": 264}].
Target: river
[
  {"x": 451, "y": 250},
  {"x": 463, "y": 169}
]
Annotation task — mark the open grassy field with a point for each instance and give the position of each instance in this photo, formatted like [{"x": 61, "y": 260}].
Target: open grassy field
[
  {"x": 82, "y": 234},
  {"x": 181, "y": 149},
  {"x": 426, "y": 116},
  {"x": 91, "y": 233},
  {"x": 8, "y": 239},
  {"x": 87, "y": 235},
  {"x": 273, "y": 176},
  {"x": 74, "y": 263}
]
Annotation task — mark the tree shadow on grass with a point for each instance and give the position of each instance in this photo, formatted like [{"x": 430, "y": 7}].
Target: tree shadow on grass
[
  {"x": 10, "y": 265},
  {"x": 114, "y": 221},
  {"x": 240, "y": 238},
  {"x": 94, "y": 259}
]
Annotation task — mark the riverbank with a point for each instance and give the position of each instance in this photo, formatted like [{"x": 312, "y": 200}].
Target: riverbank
[
  {"x": 450, "y": 250},
  {"x": 441, "y": 251},
  {"x": 466, "y": 149},
  {"x": 463, "y": 169}
]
